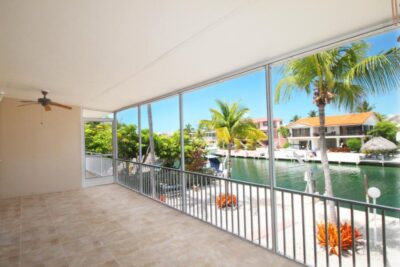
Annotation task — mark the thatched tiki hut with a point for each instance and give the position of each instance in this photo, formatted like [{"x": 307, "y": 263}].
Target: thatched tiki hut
[{"x": 378, "y": 145}]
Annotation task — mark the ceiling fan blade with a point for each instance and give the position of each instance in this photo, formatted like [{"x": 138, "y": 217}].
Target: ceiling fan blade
[
  {"x": 27, "y": 101},
  {"x": 47, "y": 107},
  {"x": 28, "y": 104},
  {"x": 59, "y": 105}
]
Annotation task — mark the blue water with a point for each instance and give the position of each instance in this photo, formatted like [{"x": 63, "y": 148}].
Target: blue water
[{"x": 348, "y": 181}]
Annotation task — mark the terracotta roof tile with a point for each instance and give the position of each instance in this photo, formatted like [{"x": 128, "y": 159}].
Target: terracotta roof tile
[{"x": 347, "y": 119}]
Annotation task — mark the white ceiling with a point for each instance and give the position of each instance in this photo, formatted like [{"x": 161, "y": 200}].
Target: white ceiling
[{"x": 105, "y": 54}]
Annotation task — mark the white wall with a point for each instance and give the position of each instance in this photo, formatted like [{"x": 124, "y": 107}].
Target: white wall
[{"x": 40, "y": 151}]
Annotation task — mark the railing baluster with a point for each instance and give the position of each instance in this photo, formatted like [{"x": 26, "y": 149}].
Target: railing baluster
[
  {"x": 226, "y": 190},
  {"x": 244, "y": 210},
  {"x": 189, "y": 208},
  {"x": 326, "y": 234},
  {"x": 258, "y": 215},
  {"x": 220, "y": 202},
  {"x": 193, "y": 195},
  {"x": 283, "y": 222},
  {"x": 211, "y": 211},
  {"x": 303, "y": 230},
  {"x": 367, "y": 235},
  {"x": 314, "y": 234},
  {"x": 339, "y": 233},
  {"x": 166, "y": 198},
  {"x": 384, "y": 238},
  {"x": 215, "y": 202},
  {"x": 251, "y": 213},
  {"x": 293, "y": 228},
  {"x": 237, "y": 209},
  {"x": 201, "y": 197},
  {"x": 266, "y": 217},
  {"x": 206, "y": 197},
  {"x": 174, "y": 189},
  {"x": 170, "y": 188},
  {"x": 352, "y": 235},
  {"x": 232, "y": 203},
  {"x": 197, "y": 196}
]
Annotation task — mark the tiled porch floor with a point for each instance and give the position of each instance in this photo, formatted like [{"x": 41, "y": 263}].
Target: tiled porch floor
[{"x": 113, "y": 226}]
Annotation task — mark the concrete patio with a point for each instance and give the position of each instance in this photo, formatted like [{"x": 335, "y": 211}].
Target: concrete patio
[{"x": 113, "y": 226}]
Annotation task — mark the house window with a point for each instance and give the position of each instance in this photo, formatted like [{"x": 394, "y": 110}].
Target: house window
[{"x": 301, "y": 132}]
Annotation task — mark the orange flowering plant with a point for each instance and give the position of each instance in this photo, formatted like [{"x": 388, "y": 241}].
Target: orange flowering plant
[
  {"x": 333, "y": 237},
  {"x": 226, "y": 200}
]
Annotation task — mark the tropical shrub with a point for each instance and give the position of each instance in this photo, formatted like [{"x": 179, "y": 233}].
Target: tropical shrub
[
  {"x": 286, "y": 145},
  {"x": 128, "y": 141},
  {"x": 385, "y": 129},
  {"x": 167, "y": 148},
  {"x": 354, "y": 144},
  {"x": 333, "y": 242},
  {"x": 98, "y": 137},
  {"x": 196, "y": 160},
  {"x": 226, "y": 200},
  {"x": 284, "y": 131}
]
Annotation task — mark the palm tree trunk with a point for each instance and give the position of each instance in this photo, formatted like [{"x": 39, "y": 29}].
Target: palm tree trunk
[
  {"x": 228, "y": 161},
  {"x": 151, "y": 144},
  {"x": 228, "y": 166},
  {"x": 146, "y": 154},
  {"x": 325, "y": 164}
]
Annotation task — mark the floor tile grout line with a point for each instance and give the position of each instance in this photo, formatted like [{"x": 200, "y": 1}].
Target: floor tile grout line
[{"x": 57, "y": 233}]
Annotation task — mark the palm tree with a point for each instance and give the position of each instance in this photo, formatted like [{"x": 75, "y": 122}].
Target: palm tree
[
  {"x": 295, "y": 118},
  {"x": 312, "y": 113},
  {"x": 189, "y": 128},
  {"x": 364, "y": 107},
  {"x": 343, "y": 76},
  {"x": 230, "y": 125}
]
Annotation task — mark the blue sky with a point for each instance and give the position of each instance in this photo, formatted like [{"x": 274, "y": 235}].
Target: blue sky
[{"x": 250, "y": 91}]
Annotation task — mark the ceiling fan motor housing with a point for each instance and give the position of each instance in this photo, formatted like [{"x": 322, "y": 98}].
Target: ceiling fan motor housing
[{"x": 44, "y": 101}]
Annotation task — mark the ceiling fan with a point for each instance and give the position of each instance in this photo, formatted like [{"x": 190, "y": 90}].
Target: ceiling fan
[{"x": 44, "y": 101}]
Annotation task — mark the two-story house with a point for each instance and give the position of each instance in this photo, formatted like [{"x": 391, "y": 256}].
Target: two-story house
[
  {"x": 262, "y": 124},
  {"x": 304, "y": 133}
]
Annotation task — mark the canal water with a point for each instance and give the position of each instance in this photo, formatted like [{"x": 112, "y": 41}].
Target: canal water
[{"x": 348, "y": 181}]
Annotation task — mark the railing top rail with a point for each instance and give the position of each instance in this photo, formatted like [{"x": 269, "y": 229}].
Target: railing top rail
[
  {"x": 202, "y": 174},
  {"x": 96, "y": 154},
  {"x": 348, "y": 201}
]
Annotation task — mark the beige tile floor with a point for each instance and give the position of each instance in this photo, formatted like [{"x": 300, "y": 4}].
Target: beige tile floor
[{"x": 113, "y": 226}]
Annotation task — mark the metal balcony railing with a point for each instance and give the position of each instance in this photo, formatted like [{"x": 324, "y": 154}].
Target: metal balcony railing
[
  {"x": 98, "y": 165},
  {"x": 281, "y": 220}
]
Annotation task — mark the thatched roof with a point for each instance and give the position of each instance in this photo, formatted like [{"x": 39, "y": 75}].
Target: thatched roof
[{"x": 378, "y": 144}]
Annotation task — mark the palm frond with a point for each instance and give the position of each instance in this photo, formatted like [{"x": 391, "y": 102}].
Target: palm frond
[
  {"x": 347, "y": 56},
  {"x": 287, "y": 85},
  {"x": 348, "y": 96},
  {"x": 223, "y": 135},
  {"x": 206, "y": 124},
  {"x": 377, "y": 74}
]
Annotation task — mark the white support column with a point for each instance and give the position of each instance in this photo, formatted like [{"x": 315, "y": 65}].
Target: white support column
[
  {"x": 140, "y": 151},
  {"x": 271, "y": 162},
  {"x": 115, "y": 146},
  {"x": 182, "y": 139}
]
